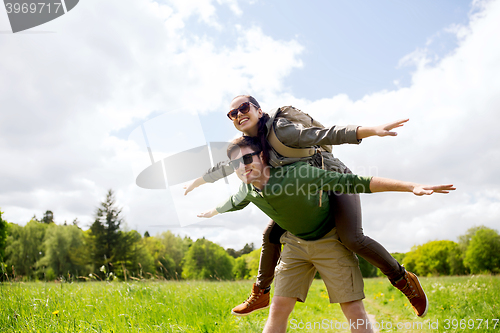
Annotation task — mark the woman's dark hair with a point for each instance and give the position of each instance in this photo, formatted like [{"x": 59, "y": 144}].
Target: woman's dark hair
[
  {"x": 261, "y": 129},
  {"x": 251, "y": 99}
]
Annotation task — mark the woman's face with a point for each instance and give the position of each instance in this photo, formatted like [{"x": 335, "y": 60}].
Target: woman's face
[{"x": 246, "y": 123}]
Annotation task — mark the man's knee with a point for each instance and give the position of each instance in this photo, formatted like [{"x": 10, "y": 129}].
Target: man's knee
[
  {"x": 282, "y": 306},
  {"x": 354, "y": 309}
]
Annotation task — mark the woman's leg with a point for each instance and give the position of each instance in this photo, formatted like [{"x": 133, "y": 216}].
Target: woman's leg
[
  {"x": 347, "y": 211},
  {"x": 269, "y": 256}
]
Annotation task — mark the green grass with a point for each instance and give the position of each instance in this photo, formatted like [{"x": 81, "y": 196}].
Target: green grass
[
  {"x": 189, "y": 306},
  {"x": 454, "y": 304}
]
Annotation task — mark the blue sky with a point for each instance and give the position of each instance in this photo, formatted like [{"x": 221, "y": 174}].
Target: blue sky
[
  {"x": 75, "y": 91},
  {"x": 351, "y": 47}
]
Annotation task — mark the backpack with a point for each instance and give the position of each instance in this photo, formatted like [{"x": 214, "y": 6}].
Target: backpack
[{"x": 298, "y": 117}]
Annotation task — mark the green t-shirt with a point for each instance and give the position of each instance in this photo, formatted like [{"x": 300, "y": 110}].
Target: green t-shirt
[{"x": 291, "y": 197}]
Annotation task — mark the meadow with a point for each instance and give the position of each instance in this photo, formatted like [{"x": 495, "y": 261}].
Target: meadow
[{"x": 457, "y": 304}]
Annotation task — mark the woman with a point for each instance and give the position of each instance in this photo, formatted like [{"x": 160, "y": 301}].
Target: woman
[{"x": 248, "y": 118}]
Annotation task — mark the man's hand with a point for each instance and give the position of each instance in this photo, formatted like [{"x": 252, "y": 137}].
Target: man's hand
[
  {"x": 209, "y": 214},
  {"x": 427, "y": 190},
  {"x": 197, "y": 182},
  {"x": 381, "y": 130}
]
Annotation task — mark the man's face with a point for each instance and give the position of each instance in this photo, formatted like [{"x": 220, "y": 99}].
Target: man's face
[{"x": 248, "y": 173}]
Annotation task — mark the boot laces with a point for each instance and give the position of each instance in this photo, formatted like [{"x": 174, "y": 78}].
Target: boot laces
[
  {"x": 409, "y": 291},
  {"x": 253, "y": 296}
]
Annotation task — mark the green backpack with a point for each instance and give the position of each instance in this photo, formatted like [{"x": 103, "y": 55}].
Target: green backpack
[{"x": 298, "y": 117}]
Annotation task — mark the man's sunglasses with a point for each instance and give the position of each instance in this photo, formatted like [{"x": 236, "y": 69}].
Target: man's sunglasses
[
  {"x": 246, "y": 159},
  {"x": 243, "y": 108}
]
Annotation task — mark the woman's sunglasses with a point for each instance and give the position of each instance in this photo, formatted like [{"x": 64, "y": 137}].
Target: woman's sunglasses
[
  {"x": 243, "y": 108},
  {"x": 246, "y": 159}
]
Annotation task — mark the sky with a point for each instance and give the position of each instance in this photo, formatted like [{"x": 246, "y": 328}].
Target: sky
[{"x": 83, "y": 97}]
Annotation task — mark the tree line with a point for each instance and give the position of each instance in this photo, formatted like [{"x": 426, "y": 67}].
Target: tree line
[
  {"x": 43, "y": 250},
  {"x": 475, "y": 252}
]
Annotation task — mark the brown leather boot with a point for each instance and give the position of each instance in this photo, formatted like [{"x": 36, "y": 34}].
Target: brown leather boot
[
  {"x": 410, "y": 286},
  {"x": 258, "y": 300}
]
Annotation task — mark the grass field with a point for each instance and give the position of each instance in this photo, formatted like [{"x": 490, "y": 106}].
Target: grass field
[{"x": 457, "y": 304}]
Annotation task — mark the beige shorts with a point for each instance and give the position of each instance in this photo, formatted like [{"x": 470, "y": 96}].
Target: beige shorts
[{"x": 337, "y": 266}]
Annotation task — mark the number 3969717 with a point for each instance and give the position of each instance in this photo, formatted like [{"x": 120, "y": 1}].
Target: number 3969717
[{"x": 32, "y": 8}]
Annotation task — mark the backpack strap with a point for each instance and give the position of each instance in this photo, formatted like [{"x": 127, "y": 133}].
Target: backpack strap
[{"x": 288, "y": 151}]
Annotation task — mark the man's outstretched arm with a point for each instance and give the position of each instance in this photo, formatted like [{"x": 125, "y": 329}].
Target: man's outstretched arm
[{"x": 378, "y": 184}]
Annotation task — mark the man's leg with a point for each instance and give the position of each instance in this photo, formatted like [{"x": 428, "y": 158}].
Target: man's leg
[
  {"x": 279, "y": 313},
  {"x": 356, "y": 316},
  {"x": 271, "y": 249}
]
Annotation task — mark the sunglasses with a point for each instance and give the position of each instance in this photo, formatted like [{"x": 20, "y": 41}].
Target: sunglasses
[
  {"x": 246, "y": 159},
  {"x": 243, "y": 108}
]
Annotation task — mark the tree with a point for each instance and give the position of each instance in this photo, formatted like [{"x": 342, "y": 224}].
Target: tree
[
  {"x": 3, "y": 236},
  {"x": 24, "y": 247},
  {"x": 208, "y": 261},
  {"x": 245, "y": 250},
  {"x": 367, "y": 269},
  {"x": 431, "y": 258},
  {"x": 164, "y": 264},
  {"x": 105, "y": 230},
  {"x": 64, "y": 248},
  {"x": 464, "y": 240},
  {"x": 132, "y": 254},
  {"x": 175, "y": 248},
  {"x": 48, "y": 217},
  {"x": 240, "y": 269},
  {"x": 483, "y": 252}
]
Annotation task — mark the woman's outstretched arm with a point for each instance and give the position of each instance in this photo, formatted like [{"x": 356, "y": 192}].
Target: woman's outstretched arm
[{"x": 381, "y": 130}]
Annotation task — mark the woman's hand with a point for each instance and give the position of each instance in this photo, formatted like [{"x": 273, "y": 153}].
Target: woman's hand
[
  {"x": 381, "y": 130},
  {"x": 197, "y": 182},
  {"x": 209, "y": 214}
]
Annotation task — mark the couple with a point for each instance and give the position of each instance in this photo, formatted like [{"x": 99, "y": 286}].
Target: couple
[{"x": 345, "y": 213}]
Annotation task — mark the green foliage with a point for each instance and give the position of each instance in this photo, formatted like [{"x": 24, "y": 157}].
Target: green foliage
[
  {"x": 432, "y": 258},
  {"x": 207, "y": 260},
  {"x": 174, "y": 249},
  {"x": 240, "y": 269},
  {"x": 483, "y": 252},
  {"x": 48, "y": 217},
  {"x": 3, "y": 236},
  {"x": 132, "y": 255},
  {"x": 367, "y": 269},
  {"x": 24, "y": 248},
  {"x": 464, "y": 240},
  {"x": 253, "y": 259},
  {"x": 64, "y": 251},
  {"x": 105, "y": 231},
  {"x": 245, "y": 250}
]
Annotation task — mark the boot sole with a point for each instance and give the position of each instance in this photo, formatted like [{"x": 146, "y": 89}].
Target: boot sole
[{"x": 246, "y": 314}]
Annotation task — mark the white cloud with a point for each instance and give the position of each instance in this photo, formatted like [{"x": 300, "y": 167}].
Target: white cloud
[
  {"x": 105, "y": 66},
  {"x": 451, "y": 138}
]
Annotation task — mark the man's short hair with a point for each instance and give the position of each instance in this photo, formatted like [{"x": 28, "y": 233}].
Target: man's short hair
[{"x": 244, "y": 141}]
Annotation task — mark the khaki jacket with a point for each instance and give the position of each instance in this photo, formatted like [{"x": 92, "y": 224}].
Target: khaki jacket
[{"x": 296, "y": 136}]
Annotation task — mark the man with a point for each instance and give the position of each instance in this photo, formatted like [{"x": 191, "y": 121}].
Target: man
[{"x": 290, "y": 196}]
